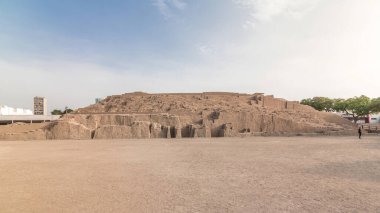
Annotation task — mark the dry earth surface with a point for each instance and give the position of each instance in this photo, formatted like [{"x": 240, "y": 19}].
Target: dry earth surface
[
  {"x": 21, "y": 127},
  {"x": 257, "y": 174}
]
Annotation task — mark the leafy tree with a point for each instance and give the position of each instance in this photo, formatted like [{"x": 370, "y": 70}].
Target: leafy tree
[
  {"x": 375, "y": 105},
  {"x": 319, "y": 103},
  {"x": 60, "y": 112},
  {"x": 357, "y": 107},
  {"x": 67, "y": 110},
  {"x": 327, "y": 103},
  {"x": 307, "y": 101},
  {"x": 56, "y": 112},
  {"x": 340, "y": 105}
]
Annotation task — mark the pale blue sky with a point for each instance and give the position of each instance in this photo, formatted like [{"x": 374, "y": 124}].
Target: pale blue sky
[{"x": 72, "y": 51}]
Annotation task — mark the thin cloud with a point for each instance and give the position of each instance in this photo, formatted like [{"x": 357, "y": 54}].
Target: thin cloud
[
  {"x": 206, "y": 50},
  {"x": 324, "y": 53},
  {"x": 168, "y": 7},
  {"x": 266, "y": 10},
  {"x": 179, "y": 4}
]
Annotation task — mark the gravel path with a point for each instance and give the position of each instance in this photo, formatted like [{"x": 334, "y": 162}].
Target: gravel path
[{"x": 260, "y": 174}]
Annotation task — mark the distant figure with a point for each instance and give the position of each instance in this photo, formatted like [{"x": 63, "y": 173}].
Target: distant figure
[{"x": 360, "y": 132}]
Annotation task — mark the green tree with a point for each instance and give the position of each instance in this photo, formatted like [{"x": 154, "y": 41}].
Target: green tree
[
  {"x": 319, "y": 103},
  {"x": 340, "y": 105},
  {"x": 67, "y": 110},
  {"x": 307, "y": 101},
  {"x": 60, "y": 112},
  {"x": 56, "y": 112},
  {"x": 358, "y": 107},
  {"x": 375, "y": 105}
]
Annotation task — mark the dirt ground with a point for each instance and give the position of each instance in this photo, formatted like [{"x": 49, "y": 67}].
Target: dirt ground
[
  {"x": 21, "y": 127},
  {"x": 260, "y": 174}
]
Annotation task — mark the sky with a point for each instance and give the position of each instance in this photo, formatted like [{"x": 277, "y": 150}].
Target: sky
[{"x": 73, "y": 51}]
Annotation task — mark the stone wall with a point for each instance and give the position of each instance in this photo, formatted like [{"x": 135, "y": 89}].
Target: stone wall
[
  {"x": 277, "y": 103},
  {"x": 106, "y": 126}
]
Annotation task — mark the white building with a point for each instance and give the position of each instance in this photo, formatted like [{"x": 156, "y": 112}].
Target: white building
[
  {"x": 5, "y": 110},
  {"x": 374, "y": 119},
  {"x": 40, "y": 106}
]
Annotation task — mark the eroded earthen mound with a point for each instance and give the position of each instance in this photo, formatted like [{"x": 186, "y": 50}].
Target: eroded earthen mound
[{"x": 142, "y": 115}]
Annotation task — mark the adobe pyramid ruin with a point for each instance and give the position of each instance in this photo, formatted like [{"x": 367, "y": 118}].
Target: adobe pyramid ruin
[{"x": 189, "y": 115}]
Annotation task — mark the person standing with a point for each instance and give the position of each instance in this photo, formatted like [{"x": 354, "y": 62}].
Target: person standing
[{"x": 360, "y": 132}]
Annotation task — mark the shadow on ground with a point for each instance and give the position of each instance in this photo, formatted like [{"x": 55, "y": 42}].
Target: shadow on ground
[{"x": 359, "y": 170}]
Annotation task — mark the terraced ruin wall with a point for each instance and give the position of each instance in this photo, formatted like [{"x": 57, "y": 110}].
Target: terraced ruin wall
[{"x": 194, "y": 115}]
